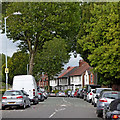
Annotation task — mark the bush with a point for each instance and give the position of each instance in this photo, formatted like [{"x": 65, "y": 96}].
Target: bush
[
  {"x": 66, "y": 91},
  {"x": 56, "y": 91}
]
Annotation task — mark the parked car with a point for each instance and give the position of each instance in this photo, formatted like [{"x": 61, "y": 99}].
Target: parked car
[
  {"x": 40, "y": 96},
  {"x": 68, "y": 93},
  {"x": 28, "y": 84},
  {"x": 97, "y": 92},
  {"x": 72, "y": 93},
  {"x": 105, "y": 98},
  {"x": 112, "y": 111},
  {"x": 15, "y": 98},
  {"x": 61, "y": 94},
  {"x": 88, "y": 88},
  {"x": 82, "y": 93},
  {"x": 52, "y": 94},
  {"x": 75, "y": 94},
  {"x": 45, "y": 94},
  {"x": 78, "y": 93},
  {"x": 89, "y": 95}
]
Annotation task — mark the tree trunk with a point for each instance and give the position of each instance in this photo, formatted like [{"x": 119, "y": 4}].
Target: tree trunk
[
  {"x": 48, "y": 83},
  {"x": 31, "y": 64}
]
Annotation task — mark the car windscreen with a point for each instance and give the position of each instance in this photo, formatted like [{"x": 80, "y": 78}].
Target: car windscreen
[
  {"x": 111, "y": 95},
  {"x": 12, "y": 93}
]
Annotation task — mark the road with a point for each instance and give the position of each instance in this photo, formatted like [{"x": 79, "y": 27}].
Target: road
[{"x": 54, "y": 107}]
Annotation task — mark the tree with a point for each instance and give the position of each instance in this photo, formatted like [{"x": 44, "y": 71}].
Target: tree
[
  {"x": 17, "y": 65},
  {"x": 102, "y": 41},
  {"x": 41, "y": 22},
  {"x": 52, "y": 58}
]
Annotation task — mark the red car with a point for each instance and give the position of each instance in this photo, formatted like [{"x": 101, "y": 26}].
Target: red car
[{"x": 75, "y": 94}]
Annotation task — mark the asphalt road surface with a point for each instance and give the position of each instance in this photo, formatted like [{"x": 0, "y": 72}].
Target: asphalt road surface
[{"x": 54, "y": 107}]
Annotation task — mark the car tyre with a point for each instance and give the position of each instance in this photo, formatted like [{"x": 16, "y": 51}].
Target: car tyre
[
  {"x": 94, "y": 104},
  {"x": 3, "y": 108},
  {"x": 24, "y": 106},
  {"x": 29, "y": 104}
]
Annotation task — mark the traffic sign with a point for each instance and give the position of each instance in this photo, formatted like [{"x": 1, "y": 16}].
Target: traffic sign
[{"x": 6, "y": 70}]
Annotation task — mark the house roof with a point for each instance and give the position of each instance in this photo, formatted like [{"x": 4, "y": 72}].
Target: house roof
[
  {"x": 71, "y": 71},
  {"x": 66, "y": 72},
  {"x": 85, "y": 66},
  {"x": 56, "y": 76}
]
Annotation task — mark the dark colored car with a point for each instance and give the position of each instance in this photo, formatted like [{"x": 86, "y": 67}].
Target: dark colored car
[{"x": 112, "y": 111}]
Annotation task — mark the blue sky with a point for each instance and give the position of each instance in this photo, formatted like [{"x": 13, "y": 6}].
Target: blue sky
[{"x": 7, "y": 46}]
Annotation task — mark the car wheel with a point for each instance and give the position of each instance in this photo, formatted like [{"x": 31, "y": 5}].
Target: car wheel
[
  {"x": 99, "y": 115},
  {"x": 29, "y": 104},
  {"x": 94, "y": 104},
  {"x": 24, "y": 106},
  {"x": 3, "y": 108},
  {"x": 104, "y": 116}
]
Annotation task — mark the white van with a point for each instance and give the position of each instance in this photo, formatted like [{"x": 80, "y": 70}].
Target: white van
[{"x": 28, "y": 84}]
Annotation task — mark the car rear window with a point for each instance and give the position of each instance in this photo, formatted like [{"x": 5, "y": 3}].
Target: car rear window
[
  {"x": 12, "y": 93},
  {"x": 111, "y": 95}
]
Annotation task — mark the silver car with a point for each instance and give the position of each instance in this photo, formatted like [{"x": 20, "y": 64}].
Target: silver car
[
  {"x": 15, "y": 98},
  {"x": 105, "y": 98},
  {"x": 97, "y": 92}
]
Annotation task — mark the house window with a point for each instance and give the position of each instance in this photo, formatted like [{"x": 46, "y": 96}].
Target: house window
[{"x": 91, "y": 78}]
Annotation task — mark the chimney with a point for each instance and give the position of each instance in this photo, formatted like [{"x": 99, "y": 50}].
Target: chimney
[
  {"x": 81, "y": 62},
  {"x": 68, "y": 67}
]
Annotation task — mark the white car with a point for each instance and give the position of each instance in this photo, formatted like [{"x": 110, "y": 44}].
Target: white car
[
  {"x": 97, "y": 92},
  {"x": 89, "y": 95}
]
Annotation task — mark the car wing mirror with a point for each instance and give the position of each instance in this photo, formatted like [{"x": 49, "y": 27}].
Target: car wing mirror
[{"x": 97, "y": 96}]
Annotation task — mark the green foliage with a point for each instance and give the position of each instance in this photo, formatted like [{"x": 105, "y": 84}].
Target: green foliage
[
  {"x": 40, "y": 22},
  {"x": 52, "y": 58},
  {"x": 17, "y": 65},
  {"x": 101, "y": 41},
  {"x": 56, "y": 91},
  {"x": 66, "y": 91}
]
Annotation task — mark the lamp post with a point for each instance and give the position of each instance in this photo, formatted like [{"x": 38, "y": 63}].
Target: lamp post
[{"x": 6, "y": 70}]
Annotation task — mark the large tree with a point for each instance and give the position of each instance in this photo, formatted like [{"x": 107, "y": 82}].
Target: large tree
[
  {"x": 40, "y": 22},
  {"x": 101, "y": 42},
  {"x": 52, "y": 58}
]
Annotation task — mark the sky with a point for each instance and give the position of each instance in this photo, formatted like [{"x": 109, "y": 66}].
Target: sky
[{"x": 7, "y": 46}]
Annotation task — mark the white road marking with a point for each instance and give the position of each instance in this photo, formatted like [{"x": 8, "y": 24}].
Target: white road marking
[
  {"x": 66, "y": 101},
  {"x": 52, "y": 114},
  {"x": 63, "y": 105},
  {"x": 56, "y": 112}
]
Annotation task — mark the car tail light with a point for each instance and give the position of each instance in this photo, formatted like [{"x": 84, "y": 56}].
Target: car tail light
[
  {"x": 19, "y": 97},
  {"x": 40, "y": 93},
  {"x": 114, "y": 93},
  {"x": 33, "y": 92},
  {"x": 87, "y": 93},
  {"x": 90, "y": 93},
  {"x": 115, "y": 117},
  {"x": 4, "y": 97},
  {"x": 103, "y": 100},
  {"x": 33, "y": 89}
]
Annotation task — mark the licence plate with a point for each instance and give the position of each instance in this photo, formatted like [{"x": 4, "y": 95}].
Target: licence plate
[
  {"x": 119, "y": 116},
  {"x": 11, "y": 103}
]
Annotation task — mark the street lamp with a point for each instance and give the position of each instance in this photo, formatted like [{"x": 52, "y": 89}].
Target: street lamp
[{"x": 6, "y": 69}]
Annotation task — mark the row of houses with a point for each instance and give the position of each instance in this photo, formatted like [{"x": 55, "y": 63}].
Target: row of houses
[{"x": 71, "y": 78}]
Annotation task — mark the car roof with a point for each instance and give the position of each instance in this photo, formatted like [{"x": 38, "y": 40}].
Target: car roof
[
  {"x": 103, "y": 88},
  {"x": 12, "y": 90}
]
